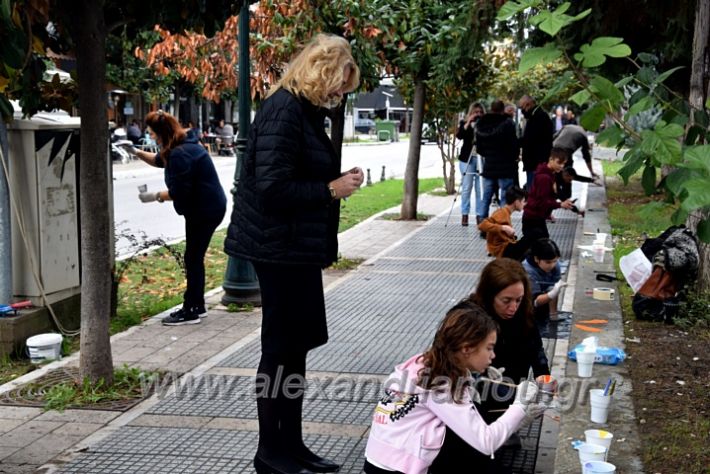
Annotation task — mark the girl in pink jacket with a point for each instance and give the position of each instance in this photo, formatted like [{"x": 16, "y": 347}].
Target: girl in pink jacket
[{"x": 432, "y": 393}]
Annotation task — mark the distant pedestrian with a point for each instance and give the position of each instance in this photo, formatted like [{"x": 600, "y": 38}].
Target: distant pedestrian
[
  {"x": 197, "y": 195},
  {"x": 497, "y": 144},
  {"x": 134, "y": 133},
  {"x": 430, "y": 418},
  {"x": 469, "y": 163},
  {"x": 286, "y": 224},
  {"x": 536, "y": 142},
  {"x": 542, "y": 198}
]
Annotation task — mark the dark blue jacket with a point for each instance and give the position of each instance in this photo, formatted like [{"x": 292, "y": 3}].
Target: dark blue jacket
[
  {"x": 192, "y": 181},
  {"x": 283, "y": 211}
]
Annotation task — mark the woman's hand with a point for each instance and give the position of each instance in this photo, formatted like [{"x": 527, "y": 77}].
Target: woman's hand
[{"x": 348, "y": 183}]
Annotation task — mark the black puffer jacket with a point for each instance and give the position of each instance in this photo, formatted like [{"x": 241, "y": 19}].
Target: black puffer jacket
[
  {"x": 283, "y": 211},
  {"x": 192, "y": 181},
  {"x": 497, "y": 142},
  {"x": 537, "y": 139}
]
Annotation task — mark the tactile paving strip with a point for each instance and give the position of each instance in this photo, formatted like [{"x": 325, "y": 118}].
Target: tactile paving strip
[{"x": 136, "y": 449}]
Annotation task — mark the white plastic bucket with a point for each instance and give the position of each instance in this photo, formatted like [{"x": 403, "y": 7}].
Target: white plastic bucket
[
  {"x": 598, "y": 467},
  {"x": 44, "y": 347},
  {"x": 600, "y": 405},
  {"x": 600, "y": 437},
  {"x": 591, "y": 452},
  {"x": 585, "y": 363}
]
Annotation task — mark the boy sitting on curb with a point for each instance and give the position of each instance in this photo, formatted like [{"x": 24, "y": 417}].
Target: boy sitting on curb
[
  {"x": 500, "y": 235},
  {"x": 542, "y": 198}
]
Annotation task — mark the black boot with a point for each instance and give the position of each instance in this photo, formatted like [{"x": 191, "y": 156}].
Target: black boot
[
  {"x": 271, "y": 456},
  {"x": 291, "y": 406},
  {"x": 277, "y": 465}
]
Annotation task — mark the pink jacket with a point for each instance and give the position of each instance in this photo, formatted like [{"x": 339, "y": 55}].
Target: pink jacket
[{"x": 409, "y": 423}]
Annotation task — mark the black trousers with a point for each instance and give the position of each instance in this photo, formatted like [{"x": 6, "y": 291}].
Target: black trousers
[
  {"x": 198, "y": 232},
  {"x": 535, "y": 228}
]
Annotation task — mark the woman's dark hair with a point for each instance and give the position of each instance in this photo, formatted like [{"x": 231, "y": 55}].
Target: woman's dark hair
[
  {"x": 167, "y": 128},
  {"x": 466, "y": 324},
  {"x": 498, "y": 275},
  {"x": 545, "y": 249}
]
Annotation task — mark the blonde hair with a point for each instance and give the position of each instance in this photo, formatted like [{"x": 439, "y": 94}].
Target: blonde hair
[{"x": 319, "y": 69}]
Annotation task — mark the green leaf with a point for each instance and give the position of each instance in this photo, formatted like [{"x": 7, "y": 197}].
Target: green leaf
[
  {"x": 634, "y": 160},
  {"x": 511, "y": 9},
  {"x": 698, "y": 194},
  {"x": 611, "y": 136},
  {"x": 624, "y": 81},
  {"x": 534, "y": 56},
  {"x": 704, "y": 230},
  {"x": 707, "y": 103},
  {"x": 594, "y": 54},
  {"x": 675, "y": 179},
  {"x": 680, "y": 216},
  {"x": 647, "y": 58},
  {"x": 648, "y": 179},
  {"x": 581, "y": 97},
  {"x": 607, "y": 90},
  {"x": 5, "y": 11},
  {"x": 644, "y": 104},
  {"x": 593, "y": 117},
  {"x": 662, "y": 143},
  {"x": 667, "y": 74},
  {"x": 697, "y": 158}
]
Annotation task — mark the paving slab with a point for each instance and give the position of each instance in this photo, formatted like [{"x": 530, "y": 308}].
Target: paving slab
[
  {"x": 79, "y": 416},
  {"x": 26, "y": 434}
]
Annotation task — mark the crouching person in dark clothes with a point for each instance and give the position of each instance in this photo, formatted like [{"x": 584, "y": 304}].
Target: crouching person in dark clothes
[{"x": 286, "y": 224}]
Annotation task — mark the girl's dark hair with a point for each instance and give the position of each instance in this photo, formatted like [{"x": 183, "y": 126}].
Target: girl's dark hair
[
  {"x": 167, "y": 128},
  {"x": 545, "y": 249},
  {"x": 466, "y": 324},
  {"x": 498, "y": 275}
]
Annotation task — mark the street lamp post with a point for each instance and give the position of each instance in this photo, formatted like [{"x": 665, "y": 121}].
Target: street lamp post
[{"x": 240, "y": 283}]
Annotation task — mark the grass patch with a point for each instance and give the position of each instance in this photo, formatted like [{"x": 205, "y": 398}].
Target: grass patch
[
  {"x": 345, "y": 263},
  {"x": 240, "y": 308},
  {"x": 671, "y": 412},
  {"x": 396, "y": 217},
  {"x": 441, "y": 193},
  {"x": 11, "y": 368},
  {"x": 370, "y": 200},
  {"x": 128, "y": 384}
]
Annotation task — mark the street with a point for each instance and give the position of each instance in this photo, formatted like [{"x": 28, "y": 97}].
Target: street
[{"x": 160, "y": 220}]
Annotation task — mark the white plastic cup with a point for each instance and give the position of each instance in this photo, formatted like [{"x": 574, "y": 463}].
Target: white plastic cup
[
  {"x": 591, "y": 452},
  {"x": 600, "y": 405},
  {"x": 598, "y": 467},
  {"x": 598, "y": 251},
  {"x": 585, "y": 363},
  {"x": 600, "y": 238},
  {"x": 601, "y": 438}
]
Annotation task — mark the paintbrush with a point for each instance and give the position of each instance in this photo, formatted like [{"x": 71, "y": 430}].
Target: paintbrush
[
  {"x": 500, "y": 382},
  {"x": 607, "y": 387},
  {"x": 611, "y": 389}
]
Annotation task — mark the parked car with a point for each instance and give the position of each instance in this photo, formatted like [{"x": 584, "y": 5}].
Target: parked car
[{"x": 364, "y": 125}]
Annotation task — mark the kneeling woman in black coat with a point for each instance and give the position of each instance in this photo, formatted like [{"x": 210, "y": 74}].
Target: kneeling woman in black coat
[{"x": 286, "y": 223}]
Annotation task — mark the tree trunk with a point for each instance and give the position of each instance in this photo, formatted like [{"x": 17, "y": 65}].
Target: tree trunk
[
  {"x": 176, "y": 101},
  {"x": 698, "y": 78},
  {"x": 411, "y": 173},
  {"x": 89, "y": 31}
]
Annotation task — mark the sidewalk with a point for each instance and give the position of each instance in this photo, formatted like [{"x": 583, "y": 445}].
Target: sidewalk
[{"x": 378, "y": 315}]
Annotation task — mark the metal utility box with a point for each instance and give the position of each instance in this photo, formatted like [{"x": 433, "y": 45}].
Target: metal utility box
[{"x": 43, "y": 157}]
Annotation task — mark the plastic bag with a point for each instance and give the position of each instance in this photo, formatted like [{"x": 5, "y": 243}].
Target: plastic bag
[
  {"x": 604, "y": 355},
  {"x": 636, "y": 269}
]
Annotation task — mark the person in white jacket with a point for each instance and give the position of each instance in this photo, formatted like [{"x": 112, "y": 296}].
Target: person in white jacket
[{"x": 432, "y": 394}]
